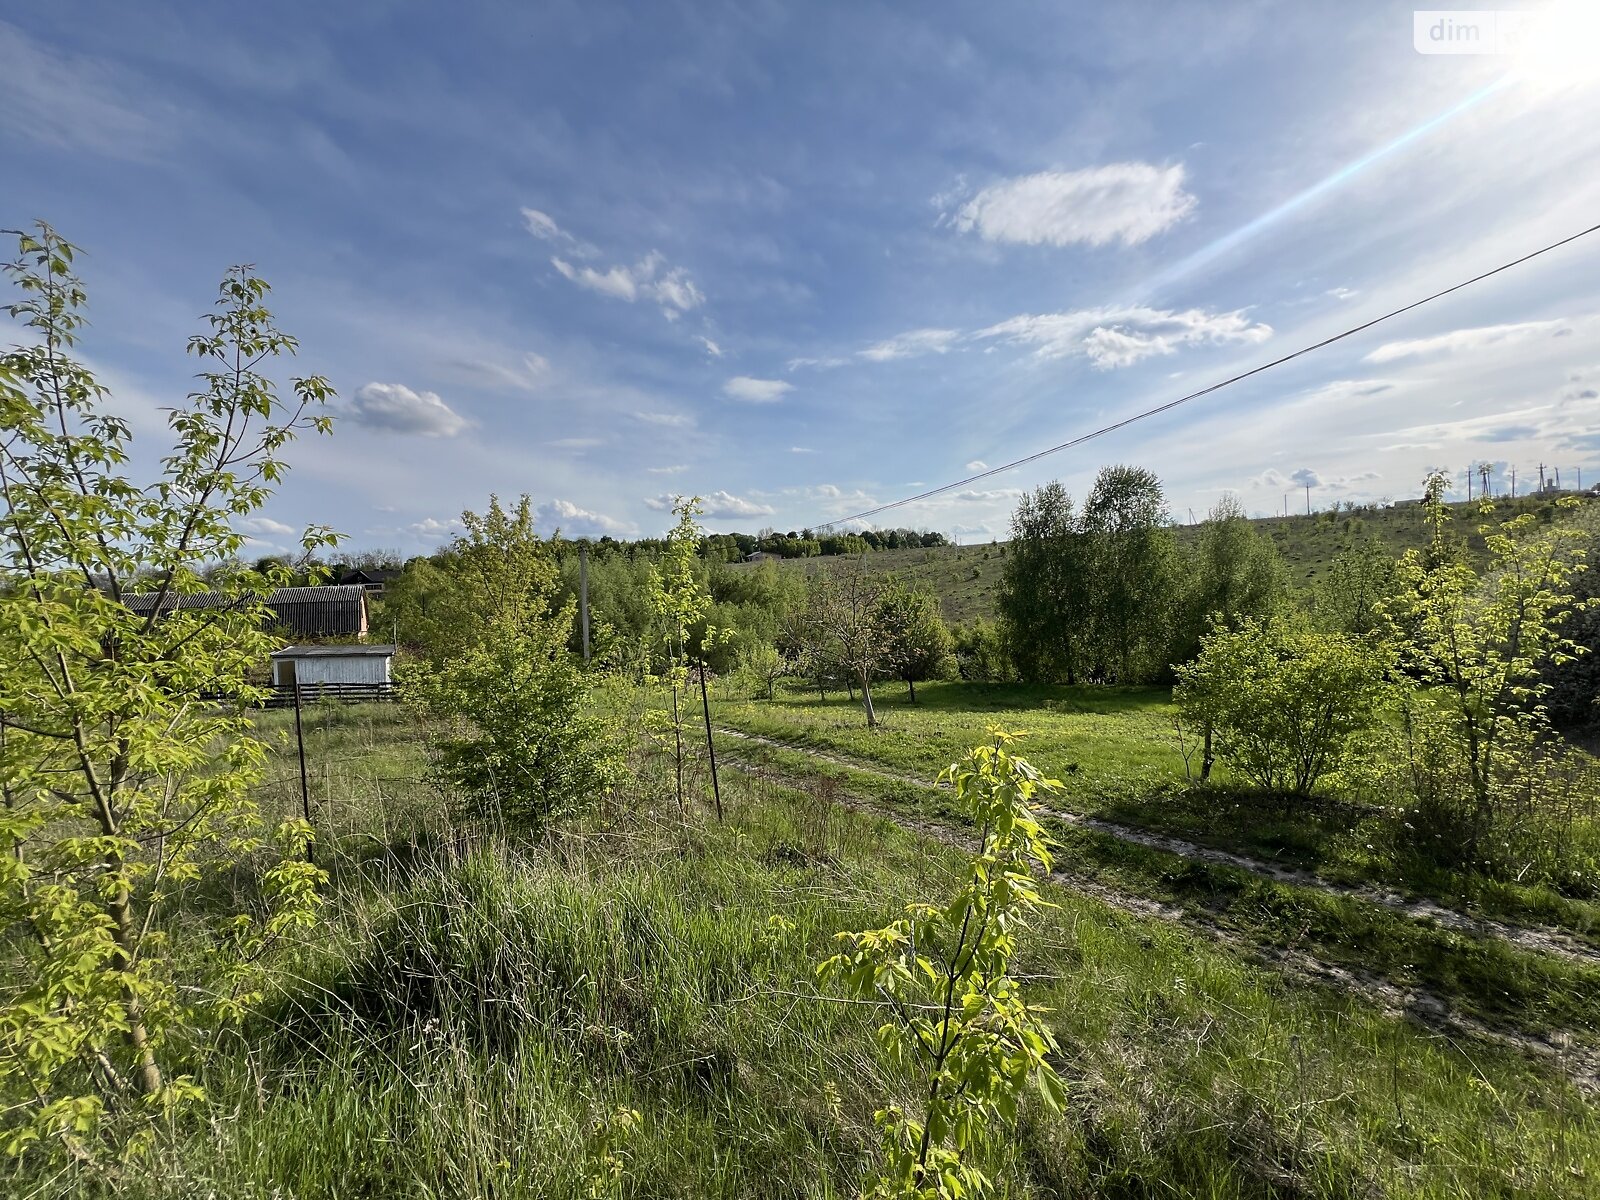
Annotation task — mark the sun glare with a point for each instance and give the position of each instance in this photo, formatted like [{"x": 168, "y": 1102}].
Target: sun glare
[{"x": 1561, "y": 48}]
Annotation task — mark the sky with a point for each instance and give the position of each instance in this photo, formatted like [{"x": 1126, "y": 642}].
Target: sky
[{"x": 806, "y": 259}]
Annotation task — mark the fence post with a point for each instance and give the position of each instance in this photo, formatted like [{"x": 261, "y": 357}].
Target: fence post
[
  {"x": 305, "y": 788},
  {"x": 711, "y": 748}
]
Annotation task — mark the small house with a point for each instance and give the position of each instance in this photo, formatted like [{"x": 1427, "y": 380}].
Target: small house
[{"x": 332, "y": 666}]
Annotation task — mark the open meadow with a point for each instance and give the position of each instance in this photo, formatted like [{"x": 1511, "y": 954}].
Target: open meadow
[{"x": 631, "y": 1010}]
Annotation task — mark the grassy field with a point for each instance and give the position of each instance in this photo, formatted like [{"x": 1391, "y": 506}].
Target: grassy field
[
  {"x": 965, "y": 578},
  {"x": 475, "y": 1014}
]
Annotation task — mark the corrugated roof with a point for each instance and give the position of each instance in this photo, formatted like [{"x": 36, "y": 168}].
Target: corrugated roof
[
  {"x": 337, "y": 610},
  {"x": 331, "y": 651},
  {"x": 350, "y": 593}
]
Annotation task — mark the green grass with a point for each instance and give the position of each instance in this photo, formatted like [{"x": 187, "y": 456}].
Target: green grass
[
  {"x": 1118, "y": 757},
  {"x": 468, "y": 1019}
]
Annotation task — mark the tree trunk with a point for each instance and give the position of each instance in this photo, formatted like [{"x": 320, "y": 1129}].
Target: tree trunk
[
  {"x": 677, "y": 733},
  {"x": 1206, "y": 757},
  {"x": 912, "y": 684},
  {"x": 866, "y": 702}
]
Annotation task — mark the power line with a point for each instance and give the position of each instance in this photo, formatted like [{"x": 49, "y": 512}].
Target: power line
[{"x": 1215, "y": 387}]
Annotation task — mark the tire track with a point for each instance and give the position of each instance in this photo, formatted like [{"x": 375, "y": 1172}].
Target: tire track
[
  {"x": 1576, "y": 1061},
  {"x": 1541, "y": 939}
]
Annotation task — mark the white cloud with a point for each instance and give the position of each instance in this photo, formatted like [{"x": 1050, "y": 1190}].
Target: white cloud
[
  {"x": 801, "y": 450},
  {"x": 577, "y": 443},
  {"x": 977, "y": 464},
  {"x": 1306, "y": 477},
  {"x": 265, "y": 525},
  {"x": 723, "y": 505},
  {"x": 676, "y": 470},
  {"x": 665, "y": 419},
  {"x": 648, "y": 279},
  {"x": 1120, "y": 337},
  {"x": 1460, "y": 340},
  {"x": 905, "y": 345},
  {"x": 974, "y": 496},
  {"x": 711, "y": 347},
  {"x": 756, "y": 391},
  {"x": 573, "y": 521},
  {"x": 1341, "y": 293},
  {"x": 397, "y": 409},
  {"x": 432, "y": 527},
  {"x": 1127, "y": 202},
  {"x": 543, "y": 226}
]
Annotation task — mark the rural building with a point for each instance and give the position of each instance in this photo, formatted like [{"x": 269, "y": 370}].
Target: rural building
[
  {"x": 306, "y": 612},
  {"x": 371, "y": 579},
  {"x": 335, "y": 666}
]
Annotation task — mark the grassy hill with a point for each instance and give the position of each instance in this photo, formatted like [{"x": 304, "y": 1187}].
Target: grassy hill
[{"x": 965, "y": 577}]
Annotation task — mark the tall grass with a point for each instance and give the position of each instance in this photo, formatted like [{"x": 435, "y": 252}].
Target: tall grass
[{"x": 476, "y": 1014}]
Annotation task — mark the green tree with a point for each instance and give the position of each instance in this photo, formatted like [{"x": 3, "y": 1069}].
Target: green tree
[
  {"x": 1044, "y": 599},
  {"x": 1472, "y": 647},
  {"x": 680, "y": 601},
  {"x": 1347, "y": 598},
  {"x": 121, "y": 786},
  {"x": 921, "y": 647},
  {"x": 847, "y": 607},
  {"x": 1283, "y": 700},
  {"x": 957, "y": 1014},
  {"x": 1234, "y": 572},
  {"x": 1133, "y": 576}
]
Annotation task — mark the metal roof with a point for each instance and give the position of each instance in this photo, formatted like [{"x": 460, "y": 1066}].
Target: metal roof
[{"x": 332, "y": 651}]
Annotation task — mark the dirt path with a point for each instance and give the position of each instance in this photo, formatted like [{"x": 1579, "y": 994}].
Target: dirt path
[
  {"x": 1579, "y": 1063},
  {"x": 1538, "y": 938}
]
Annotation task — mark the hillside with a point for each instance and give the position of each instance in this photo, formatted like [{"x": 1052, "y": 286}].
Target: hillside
[{"x": 965, "y": 577}]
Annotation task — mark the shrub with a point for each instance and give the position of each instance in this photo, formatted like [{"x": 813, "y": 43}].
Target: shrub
[
  {"x": 523, "y": 739},
  {"x": 1281, "y": 701}
]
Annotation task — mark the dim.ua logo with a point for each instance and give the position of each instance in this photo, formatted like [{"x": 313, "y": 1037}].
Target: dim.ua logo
[{"x": 1470, "y": 31}]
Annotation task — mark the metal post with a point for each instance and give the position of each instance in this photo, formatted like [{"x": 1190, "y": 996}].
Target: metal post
[
  {"x": 305, "y": 787},
  {"x": 711, "y": 748},
  {"x": 583, "y": 596}
]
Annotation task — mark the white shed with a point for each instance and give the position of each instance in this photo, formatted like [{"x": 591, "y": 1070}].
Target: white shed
[{"x": 312, "y": 665}]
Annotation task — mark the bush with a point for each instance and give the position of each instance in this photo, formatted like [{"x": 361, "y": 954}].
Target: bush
[
  {"x": 1280, "y": 701},
  {"x": 524, "y": 742}
]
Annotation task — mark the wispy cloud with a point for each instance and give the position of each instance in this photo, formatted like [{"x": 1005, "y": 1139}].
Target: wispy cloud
[
  {"x": 1466, "y": 340},
  {"x": 908, "y": 345},
  {"x": 1120, "y": 337},
  {"x": 756, "y": 391},
  {"x": 1127, "y": 202},
  {"x": 651, "y": 278},
  {"x": 395, "y": 408},
  {"x": 711, "y": 347},
  {"x": 62, "y": 99},
  {"x": 666, "y": 420}
]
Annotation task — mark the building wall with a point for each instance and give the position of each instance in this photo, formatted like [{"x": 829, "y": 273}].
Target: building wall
[{"x": 358, "y": 668}]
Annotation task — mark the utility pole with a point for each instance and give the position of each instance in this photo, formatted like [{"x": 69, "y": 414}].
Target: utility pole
[
  {"x": 1286, "y": 504},
  {"x": 1513, "y": 483},
  {"x": 1469, "y": 483},
  {"x": 1308, "y": 499},
  {"x": 1484, "y": 471},
  {"x": 1541, "y": 479},
  {"x": 583, "y": 596}
]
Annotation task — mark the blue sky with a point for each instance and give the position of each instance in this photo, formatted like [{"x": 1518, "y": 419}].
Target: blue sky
[{"x": 805, "y": 259}]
